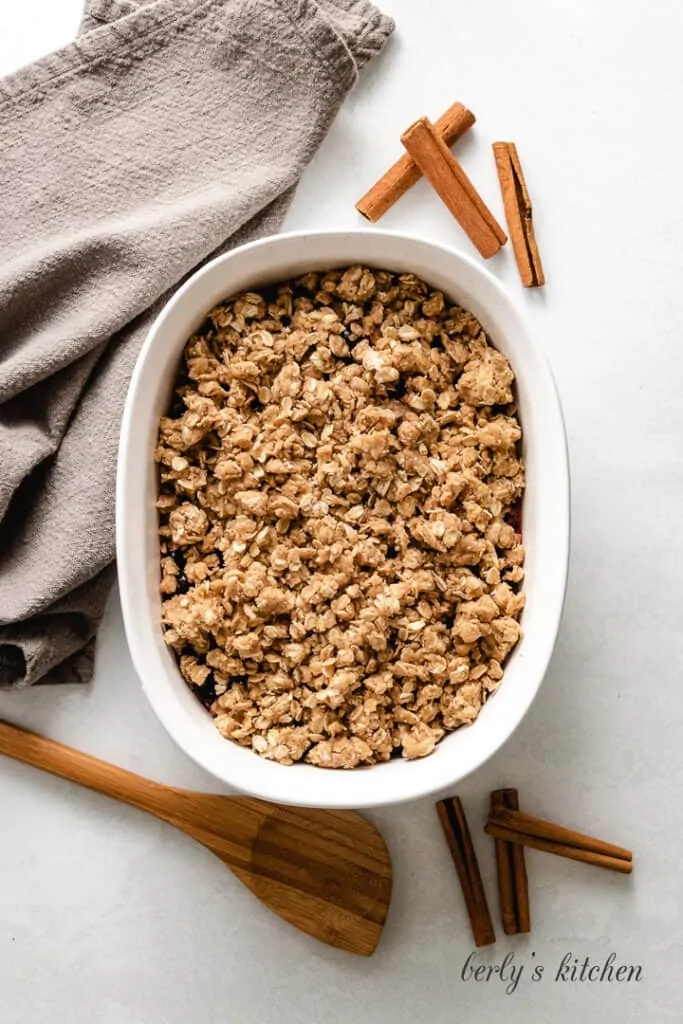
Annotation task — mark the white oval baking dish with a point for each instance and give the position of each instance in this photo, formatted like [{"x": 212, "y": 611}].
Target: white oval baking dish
[{"x": 545, "y": 518}]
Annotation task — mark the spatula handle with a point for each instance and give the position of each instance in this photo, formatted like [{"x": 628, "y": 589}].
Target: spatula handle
[{"x": 75, "y": 766}]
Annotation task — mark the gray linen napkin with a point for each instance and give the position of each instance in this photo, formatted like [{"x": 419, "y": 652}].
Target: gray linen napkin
[{"x": 168, "y": 132}]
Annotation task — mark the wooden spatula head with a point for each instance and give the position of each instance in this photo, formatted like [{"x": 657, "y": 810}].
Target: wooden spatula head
[{"x": 326, "y": 872}]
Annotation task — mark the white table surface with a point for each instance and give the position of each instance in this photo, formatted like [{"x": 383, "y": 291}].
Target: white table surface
[{"x": 109, "y": 916}]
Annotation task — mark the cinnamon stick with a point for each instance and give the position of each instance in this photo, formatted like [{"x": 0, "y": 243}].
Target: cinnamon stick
[
  {"x": 492, "y": 828},
  {"x": 457, "y": 833},
  {"x": 448, "y": 179},
  {"x": 518, "y": 214},
  {"x": 506, "y": 892},
  {"x": 404, "y": 173},
  {"x": 521, "y": 883},
  {"x": 513, "y": 886},
  {"x": 528, "y": 825}
]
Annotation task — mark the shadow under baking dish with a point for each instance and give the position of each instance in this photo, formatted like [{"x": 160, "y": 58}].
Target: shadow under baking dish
[{"x": 545, "y": 514}]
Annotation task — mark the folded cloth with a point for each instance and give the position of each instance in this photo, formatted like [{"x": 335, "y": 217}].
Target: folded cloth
[{"x": 169, "y": 131}]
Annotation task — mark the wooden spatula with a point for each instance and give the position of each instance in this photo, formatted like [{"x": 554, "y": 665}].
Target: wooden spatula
[{"x": 326, "y": 872}]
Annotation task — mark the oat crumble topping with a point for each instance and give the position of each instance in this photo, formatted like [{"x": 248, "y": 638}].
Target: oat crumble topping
[{"x": 340, "y": 480}]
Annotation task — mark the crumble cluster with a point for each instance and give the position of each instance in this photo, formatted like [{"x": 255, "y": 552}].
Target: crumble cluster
[{"x": 340, "y": 483}]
